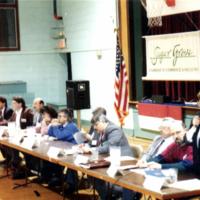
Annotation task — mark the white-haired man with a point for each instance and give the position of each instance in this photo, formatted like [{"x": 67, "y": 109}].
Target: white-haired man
[{"x": 161, "y": 142}]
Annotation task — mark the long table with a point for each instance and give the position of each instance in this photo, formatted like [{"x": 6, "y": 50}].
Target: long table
[{"x": 129, "y": 180}]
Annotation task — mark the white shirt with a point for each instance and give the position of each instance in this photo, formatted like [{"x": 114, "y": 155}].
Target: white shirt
[
  {"x": 190, "y": 134},
  {"x": 18, "y": 117},
  {"x": 2, "y": 112}
]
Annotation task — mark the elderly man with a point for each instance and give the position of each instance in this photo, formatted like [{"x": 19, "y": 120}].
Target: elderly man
[
  {"x": 38, "y": 105},
  {"x": 178, "y": 155},
  {"x": 161, "y": 142}
]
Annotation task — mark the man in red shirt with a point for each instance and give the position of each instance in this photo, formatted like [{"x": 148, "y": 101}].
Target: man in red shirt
[{"x": 178, "y": 155}]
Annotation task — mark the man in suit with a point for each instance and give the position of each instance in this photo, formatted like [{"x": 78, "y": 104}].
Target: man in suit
[
  {"x": 161, "y": 142},
  {"x": 178, "y": 155},
  {"x": 23, "y": 117},
  {"x": 38, "y": 105},
  {"x": 5, "y": 112},
  {"x": 109, "y": 135},
  {"x": 92, "y": 136},
  {"x": 5, "y": 115}
]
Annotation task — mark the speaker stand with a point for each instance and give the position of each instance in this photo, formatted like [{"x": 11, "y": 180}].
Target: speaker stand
[{"x": 79, "y": 119}]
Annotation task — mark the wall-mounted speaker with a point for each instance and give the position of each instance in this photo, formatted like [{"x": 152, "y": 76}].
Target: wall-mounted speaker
[{"x": 78, "y": 94}]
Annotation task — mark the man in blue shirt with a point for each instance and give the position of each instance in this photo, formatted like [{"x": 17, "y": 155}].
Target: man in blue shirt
[{"x": 65, "y": 128}]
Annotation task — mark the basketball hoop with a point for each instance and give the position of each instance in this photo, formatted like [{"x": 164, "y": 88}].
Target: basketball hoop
[
  {"x": 155, "y": 21},
  {"x": 154, "y": 11}
]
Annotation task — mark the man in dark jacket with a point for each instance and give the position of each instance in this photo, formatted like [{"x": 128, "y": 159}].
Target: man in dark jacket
[
  {"x": 5, "y": 112},
  {"x": 5, "y": 115}
]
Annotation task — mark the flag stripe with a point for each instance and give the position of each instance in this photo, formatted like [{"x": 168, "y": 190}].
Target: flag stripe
[{"x": 121, "y": 86}]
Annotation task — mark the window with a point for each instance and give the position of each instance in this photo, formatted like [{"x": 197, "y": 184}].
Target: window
[{"x": 9, "y": 25}]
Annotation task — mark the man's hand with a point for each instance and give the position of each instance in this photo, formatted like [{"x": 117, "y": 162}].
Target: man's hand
[
  {"x": 141, "y": 163},
  {"x": 55, "y": 122},
  {"x": 84, "y": 148},
  {"x": 154, "y": 165}
]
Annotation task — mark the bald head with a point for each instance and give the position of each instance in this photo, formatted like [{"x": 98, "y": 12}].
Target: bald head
[{"x": 38, "y": 104}]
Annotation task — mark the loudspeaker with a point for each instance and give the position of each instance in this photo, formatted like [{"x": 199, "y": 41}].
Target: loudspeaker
[{"x": 78, "y": 94}]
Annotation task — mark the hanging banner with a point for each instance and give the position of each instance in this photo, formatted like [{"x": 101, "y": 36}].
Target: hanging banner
[{"x": 173, "y": 56}]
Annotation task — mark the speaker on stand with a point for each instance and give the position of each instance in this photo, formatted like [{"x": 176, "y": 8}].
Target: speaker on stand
[{"x": 78, "y": 96}]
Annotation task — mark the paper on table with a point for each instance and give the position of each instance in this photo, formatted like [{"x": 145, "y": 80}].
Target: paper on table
[
  {"x": 81, "y": 159},
  {"x": 53, "y": 152},
  {"x": 69, "y": 151},
  {"x": 28, "y": 143},
  {"x": 122, "y": 158},
  {"x": 189, "y": 185},
  {"x": 153, "y": 183}
]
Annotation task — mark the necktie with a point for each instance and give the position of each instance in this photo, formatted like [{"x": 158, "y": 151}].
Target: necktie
[
  {"x": 100, "y": 139},
  {"x": 155, "y": 150}
]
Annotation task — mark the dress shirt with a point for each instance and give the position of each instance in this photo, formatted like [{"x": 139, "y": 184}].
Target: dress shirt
[
  {"x": 2, "y": 113},
  {"x": 158, "y": 145},
  {"x": 190, "y": 133},
  {"x": 18, "y": 117}
]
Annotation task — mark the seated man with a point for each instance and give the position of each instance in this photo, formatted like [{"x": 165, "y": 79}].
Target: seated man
[
  {"x": 64, "y": 131},
  {"x": 66, "y": 128},
  {"x": 92, "y": 137},
  {"x": 23, "y": 117},
  {"x": 109, "y": 135},
  {"x": 161, "y": 142},
  {"x": 5, "y": 112},
  {"x": 38, "y": 105},
  {"x": 5, "y": 115},
  {"x": 178, "y": 155}
]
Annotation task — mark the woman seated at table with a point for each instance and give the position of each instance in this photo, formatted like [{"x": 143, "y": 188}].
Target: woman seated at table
[{"x": 49, "y": 114}]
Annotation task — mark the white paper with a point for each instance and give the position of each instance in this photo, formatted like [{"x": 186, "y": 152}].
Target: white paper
[
  {"x": 112, "y": 171},
  {"x": 122, "y": 158},
  {"x": 69, "y": 151},
  {"x": 27, "y": 143},
  {"x": 153, "y": 183},
  {"x": 81, "y": 159},
  {"x": 53, "y": 152},
  {"x": 189, "y": 185}
]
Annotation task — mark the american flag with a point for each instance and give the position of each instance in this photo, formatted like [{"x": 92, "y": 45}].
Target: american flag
[{"x": 121, "y": 86}]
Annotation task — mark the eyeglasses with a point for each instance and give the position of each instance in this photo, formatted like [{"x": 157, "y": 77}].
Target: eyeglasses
[{"x": 61, "y": 116}]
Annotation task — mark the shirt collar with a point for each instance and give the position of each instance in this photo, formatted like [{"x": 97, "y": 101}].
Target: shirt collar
[
  {"x": 19, "y": 111},
  {"x": 64, "y": 125}
]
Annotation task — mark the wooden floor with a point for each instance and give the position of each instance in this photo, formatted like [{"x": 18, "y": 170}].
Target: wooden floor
[{"x": 31, "y": 191}]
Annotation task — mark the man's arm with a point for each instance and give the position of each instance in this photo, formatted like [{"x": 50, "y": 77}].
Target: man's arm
[
  {"x": 181, "y": 166},
  {"x": 114, "y": 137}
]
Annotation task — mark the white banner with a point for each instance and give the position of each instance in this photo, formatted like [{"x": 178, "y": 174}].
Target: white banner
[
  {"x": 173, "y": 56},
  {"x": 157, "y": 8}
]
